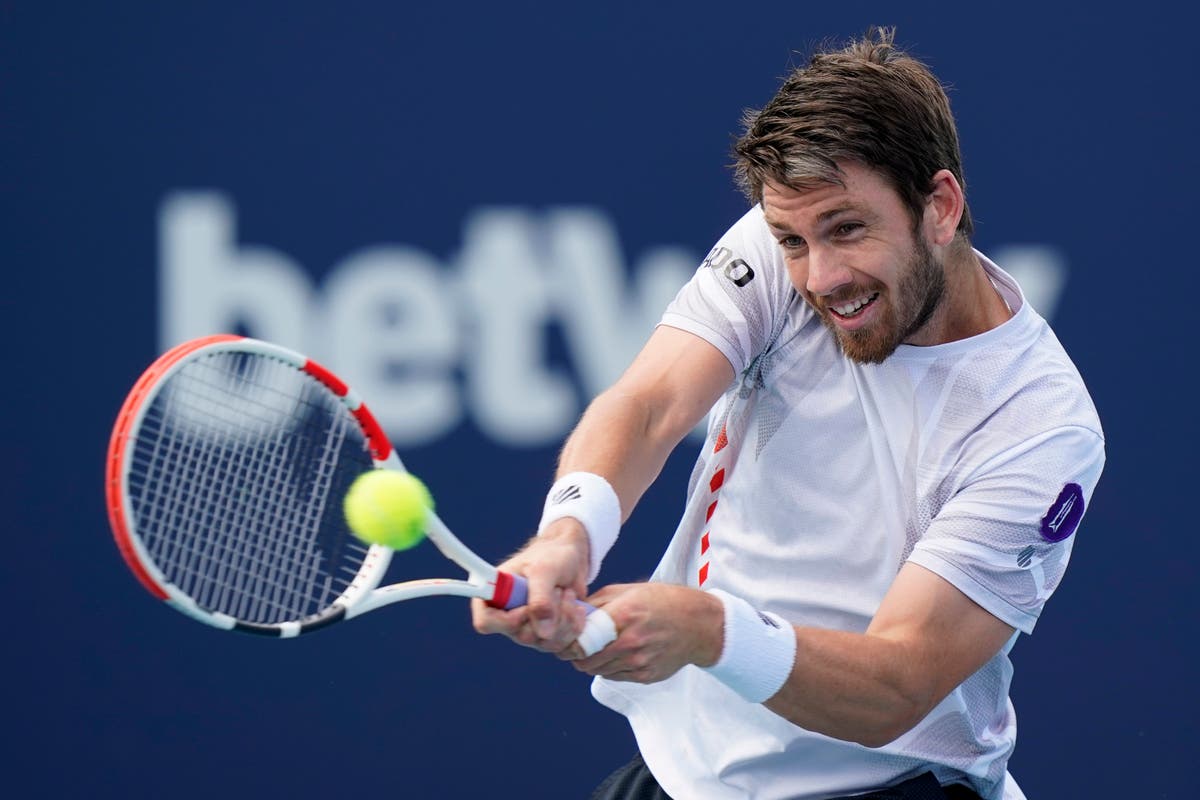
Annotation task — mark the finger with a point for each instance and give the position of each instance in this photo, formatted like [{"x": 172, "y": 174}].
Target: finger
[
  {"x": 525, "y": 636},
  {"x": 566, "y": 644},
  {"x": 609, "y": 669},
  {"x": 606, "y": 594},
  {"x": 629, "y": 676},
  {"x": 487, "y": 620},
  {"x": 543, "y": 603},
  {"x": 610, "y": 659},
  {"x": 566, "y": 627}
]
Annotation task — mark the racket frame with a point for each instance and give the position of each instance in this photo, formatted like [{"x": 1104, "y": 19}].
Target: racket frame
[{"x": 362, "y": 593}]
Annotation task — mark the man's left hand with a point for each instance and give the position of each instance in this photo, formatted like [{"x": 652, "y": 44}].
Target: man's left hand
[{"x": 661, "y": 627}]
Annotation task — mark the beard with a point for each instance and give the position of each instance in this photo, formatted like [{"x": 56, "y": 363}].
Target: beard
[{"x": 917, "y": 296}]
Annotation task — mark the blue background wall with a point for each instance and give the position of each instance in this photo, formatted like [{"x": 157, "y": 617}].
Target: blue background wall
[{"x": 332, "y": 130}]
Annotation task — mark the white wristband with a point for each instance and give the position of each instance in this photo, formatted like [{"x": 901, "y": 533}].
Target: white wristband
[
  {"x": 590, "y": 499},
  {"x": 759, "y": 650}
]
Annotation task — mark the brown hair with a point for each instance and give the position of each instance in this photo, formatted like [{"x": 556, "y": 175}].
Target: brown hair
[{"x": 868, "y": 103}]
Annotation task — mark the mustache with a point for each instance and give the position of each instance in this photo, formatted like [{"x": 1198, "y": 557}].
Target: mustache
[{"x": 843, "y": 296}]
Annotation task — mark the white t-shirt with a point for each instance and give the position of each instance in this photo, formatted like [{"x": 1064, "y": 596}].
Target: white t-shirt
[{"x": 820, "y": 478}]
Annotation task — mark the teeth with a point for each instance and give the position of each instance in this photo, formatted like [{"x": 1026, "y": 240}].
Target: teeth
[{"x": 849, "y": 309}]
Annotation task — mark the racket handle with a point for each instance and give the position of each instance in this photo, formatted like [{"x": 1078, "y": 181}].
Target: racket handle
[{"x": 598, "y": 630}]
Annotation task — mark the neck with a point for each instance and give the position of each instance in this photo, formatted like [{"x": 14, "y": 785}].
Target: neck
[{"x": 971, "y": 304}]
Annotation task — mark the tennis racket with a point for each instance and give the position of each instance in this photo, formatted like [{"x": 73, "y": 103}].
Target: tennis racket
[{"x": 227, "y": 468}]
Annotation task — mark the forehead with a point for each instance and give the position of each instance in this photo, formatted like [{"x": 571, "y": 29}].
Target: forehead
[{"x": 862, "y": 189}]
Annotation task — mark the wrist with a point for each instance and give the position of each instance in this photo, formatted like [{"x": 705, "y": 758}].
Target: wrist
[
  {"x": 709, "y": 617},
  {"x": 591, "y": 501},
  {"x": 757, "y": 652},
  {"x": 569, "y": 532}
]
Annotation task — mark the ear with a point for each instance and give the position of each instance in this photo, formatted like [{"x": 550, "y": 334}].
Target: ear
[{"x": 943, "y": 208}]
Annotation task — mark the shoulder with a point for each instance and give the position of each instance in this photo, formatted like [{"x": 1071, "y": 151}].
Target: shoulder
[
  {"x": 747, "y": 251},
  {"x": 1041, "y": 423},
  {"x": 1046, "y": 386},
  {"x": 1020, "y": 372}
]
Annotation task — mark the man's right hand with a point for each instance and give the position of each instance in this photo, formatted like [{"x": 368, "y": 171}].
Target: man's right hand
[{"x": 555, "y": 564}]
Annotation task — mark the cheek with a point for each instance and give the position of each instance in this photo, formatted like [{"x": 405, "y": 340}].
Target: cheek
[{"x": 798, "y": 274}]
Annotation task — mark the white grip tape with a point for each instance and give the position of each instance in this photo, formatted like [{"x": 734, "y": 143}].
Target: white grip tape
[
  {"x": 590, "y": 499},
  {"x": 759, "y": 650},
  {"x": 598, "y": 631}
]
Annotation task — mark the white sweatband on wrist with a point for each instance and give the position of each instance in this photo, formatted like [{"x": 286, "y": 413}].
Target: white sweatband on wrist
[
  {"x": 590, "y": 499},
  {"x": 759, "y": 650}
]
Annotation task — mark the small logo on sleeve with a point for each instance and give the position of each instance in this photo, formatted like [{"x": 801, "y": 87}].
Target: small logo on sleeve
[
  {"x": 735, "y": 269},
  {"x": 1063, "y": 517}
]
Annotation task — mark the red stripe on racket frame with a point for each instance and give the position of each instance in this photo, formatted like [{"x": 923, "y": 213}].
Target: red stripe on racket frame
[
  {"x": 335, "y": 384},
  {"x": 377, "y": 440}
]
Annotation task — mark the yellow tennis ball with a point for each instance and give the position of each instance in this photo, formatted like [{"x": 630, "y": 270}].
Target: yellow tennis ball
[{"x": 388, "y": 507}]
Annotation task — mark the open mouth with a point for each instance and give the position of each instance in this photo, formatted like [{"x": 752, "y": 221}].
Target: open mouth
[{"x": 855, "y": 307}]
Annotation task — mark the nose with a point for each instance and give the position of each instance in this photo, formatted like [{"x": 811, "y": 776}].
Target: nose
[{"x": 826, "y": 272}]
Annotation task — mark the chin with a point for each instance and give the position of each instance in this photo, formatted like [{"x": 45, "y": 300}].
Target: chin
[
  {"x": 863, "y": 346},
  {"x": 867, "y": 352}
]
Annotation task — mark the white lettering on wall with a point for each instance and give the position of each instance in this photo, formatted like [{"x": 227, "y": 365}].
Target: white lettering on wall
[
  {"x": 428, "y": 343},
  {"x": 431, "y": 343}
]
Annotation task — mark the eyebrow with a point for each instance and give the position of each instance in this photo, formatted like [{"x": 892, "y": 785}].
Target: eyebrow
[{"x": 824, "y": 216}]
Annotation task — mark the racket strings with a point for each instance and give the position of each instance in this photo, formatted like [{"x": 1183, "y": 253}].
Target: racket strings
[
  {"x": 231, "y": 476},
  {"x": 248, "y": 577},
  {"x": 280, "y": 567},
  {"x": 228, "y": 568},
  {"x": 261, "y": 579}
]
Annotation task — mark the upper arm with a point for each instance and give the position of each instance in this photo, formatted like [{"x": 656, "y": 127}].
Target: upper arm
[
  {"x": 987, "y": 563},
  {"x": 946, "y": 636},
  {"x": 1005, "y": 536}
]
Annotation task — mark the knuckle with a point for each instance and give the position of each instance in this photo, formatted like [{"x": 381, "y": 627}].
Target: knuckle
[{"x": 633, "y": 642}]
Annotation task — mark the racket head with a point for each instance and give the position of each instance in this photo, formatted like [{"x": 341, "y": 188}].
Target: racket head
[{"x": 225, "y": 476}]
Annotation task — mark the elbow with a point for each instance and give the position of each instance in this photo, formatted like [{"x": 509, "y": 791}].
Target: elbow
[
  {"x": 872, "y": 718},
  {"x": 903, "y": 698},
  {"x": 882, "y": 735},
  {"x": 900, "y": 717}
]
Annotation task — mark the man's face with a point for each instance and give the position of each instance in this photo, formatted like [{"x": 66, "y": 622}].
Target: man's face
[{"x": 851, "y": 252}]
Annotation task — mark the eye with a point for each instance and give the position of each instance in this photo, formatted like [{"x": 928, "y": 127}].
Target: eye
[
  {"x": 791, "y": 242},
  {"x": 848, "y": 228}
]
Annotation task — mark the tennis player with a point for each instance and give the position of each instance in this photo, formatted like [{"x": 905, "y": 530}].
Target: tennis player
[{"x": 899, "y": 452}]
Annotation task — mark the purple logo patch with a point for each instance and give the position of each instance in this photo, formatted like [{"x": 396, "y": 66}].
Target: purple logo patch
[{"x": 1063, "y": 517}]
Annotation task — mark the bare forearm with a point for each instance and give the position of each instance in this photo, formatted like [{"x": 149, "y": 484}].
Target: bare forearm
[
  {"x": 926, "y": 638},
  {"x": 628, "y": 431},
  {"x": 855, "y": 687},
  {"x": 850, "y": 686},
  {"x": 620, "y": 438}
]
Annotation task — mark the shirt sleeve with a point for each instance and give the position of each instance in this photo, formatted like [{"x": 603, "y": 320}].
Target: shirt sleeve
[
  {"x": 739, "y": 294},
  {"x": 1004, "y": 539}
]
